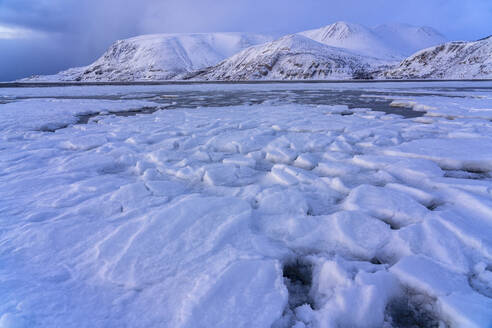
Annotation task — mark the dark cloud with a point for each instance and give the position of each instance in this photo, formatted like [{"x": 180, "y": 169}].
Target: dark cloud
[{"x": 78, "y": 31}]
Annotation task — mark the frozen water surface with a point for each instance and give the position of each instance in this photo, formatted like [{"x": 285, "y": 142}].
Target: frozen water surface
[{"x": 246, "y": 205}]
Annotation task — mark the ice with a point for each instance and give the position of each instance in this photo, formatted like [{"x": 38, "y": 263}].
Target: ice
[
  {"x": 266, "y": 215},
  {"x": 306, "y": 161},
  {"x": 459, "y": 303},
  {"x": 240, "y": 161},
  {"x": 356, "y": 300},
  {"x": 454, "y": 153},
  {"x": 391, "y": 206},
  {"x": 51, "y": 114}
]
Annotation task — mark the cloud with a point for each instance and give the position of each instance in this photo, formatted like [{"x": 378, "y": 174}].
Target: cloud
[{"x": 7, "y": 32}]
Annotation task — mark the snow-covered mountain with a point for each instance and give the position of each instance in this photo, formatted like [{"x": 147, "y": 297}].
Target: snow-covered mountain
[
  {"x": 408, "y": 39},
  {"x": 391, "y": 42},
  {"x": 453, "y": 60},
  {"x": 337, "y": 51},
  {"x": 353, "y": 37},
  {"x": 160, "y": 56},
  {"x": 292, "y": 57}
]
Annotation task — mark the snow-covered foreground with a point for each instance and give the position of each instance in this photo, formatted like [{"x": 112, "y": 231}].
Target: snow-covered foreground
[{"x": 274, "y": 214}]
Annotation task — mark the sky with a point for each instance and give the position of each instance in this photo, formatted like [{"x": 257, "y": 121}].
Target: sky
[{"x": 46, "y": 36}]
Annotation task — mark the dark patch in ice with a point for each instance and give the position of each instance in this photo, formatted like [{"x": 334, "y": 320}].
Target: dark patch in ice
[
  {"x": 50, "y": 127},
  {"x": 85, "y": 118},
  {"x": 339, "y": 201},
  {"x": 372, "y": 99},
  {"x": 310, "y": 212},
  {"x": 433, "y": 206},
  {"x": 319, "y": 206},
  {"x": 472, "y": 174},
  {"x": 480, "y": 286},
  {"x": 376, "y": 261},
  {"x": 413, "y": 311},
  {"x": 298, "y": 278},
  {"x": 392, "y": 225},
  {"x": 112, "y": 169},
  {"x": 475, "y": 171}
]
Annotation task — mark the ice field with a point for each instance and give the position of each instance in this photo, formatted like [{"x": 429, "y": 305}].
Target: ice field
[{"x": 246, "y": 205}]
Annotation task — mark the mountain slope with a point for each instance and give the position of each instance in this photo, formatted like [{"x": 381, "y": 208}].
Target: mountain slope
[
  {"x": 291, "y": 57},
  {"x": 453, "y": 60},
  {"x": 337, "y": 51},
  {"x": 354, "y": 37},
  {"x": 408, "y": 39},
  {"x": 160, "y": 56}
]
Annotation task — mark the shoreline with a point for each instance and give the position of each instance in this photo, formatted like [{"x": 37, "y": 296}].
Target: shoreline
[{"x": 183, "y": 82}]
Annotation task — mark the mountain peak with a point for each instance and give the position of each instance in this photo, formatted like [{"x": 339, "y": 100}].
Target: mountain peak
[
  {"x": 337, "y": 51},
  {"x": 353, "y": 37},
  {"x": 341, "y": 30}
]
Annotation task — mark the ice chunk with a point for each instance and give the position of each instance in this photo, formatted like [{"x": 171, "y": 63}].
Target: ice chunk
[
  {"x": 359, "y": 302},
  {"x": 452, "y": 153},
  {"x": 286, "y": 202},
  {"x": 249, "y": 292},
  {"x": 391, "y": 206},
  {"x": 459, "y": 303},
  {"x": 219, "y": 175},
  {"x": 240, "y": 161},
  {"x": 306, "y": 161},
  {"x": 281, "y": 176}
]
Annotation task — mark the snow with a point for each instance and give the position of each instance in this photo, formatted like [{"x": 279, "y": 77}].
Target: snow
[
  {"x": 463, "y": 306},
  {"x": 472, "y": 154},
  {"x": 279, "y": 214},
  {"x": 355, "y": 37},
  {"x": 453, "y": 60},
  {"x": 351, "y": 51},
  {"x": 292, "y": 57},
  {"x": 49, "y": 114},
  {"x": 159, "y": 57},
  {"x": 390, "y": 41},
  {"x": 408, "y": 39}
]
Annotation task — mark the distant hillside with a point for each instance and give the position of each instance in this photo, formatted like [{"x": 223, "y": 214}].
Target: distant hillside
[
  {"x": 160, "y": 56},
  {"x": 338, "y": 51},
  {"x": 453, "y": 60},
  {"x": 293, "y": 57}
]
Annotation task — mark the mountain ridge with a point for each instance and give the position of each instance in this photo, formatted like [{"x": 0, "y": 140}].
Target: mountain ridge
[
  {"x": 354, "y": 37},
  {"x": 340, "y": 50},
  {"x": 291, "y": 57},
  {"x": 160, "y": 56},
  {"x": 451, "y": 60}
]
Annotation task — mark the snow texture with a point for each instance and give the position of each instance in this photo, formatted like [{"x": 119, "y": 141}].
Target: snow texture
[
  {"x": 391, "y": 42},
  {"x": 351, "y": 51},
  {"x": 453, "y": 60},
  {"x": 293, "y": 57},
  {"x": 267, "y": 215},
  {"x": 160, "y": 57},
  {"x": 408, "y": 39}
]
